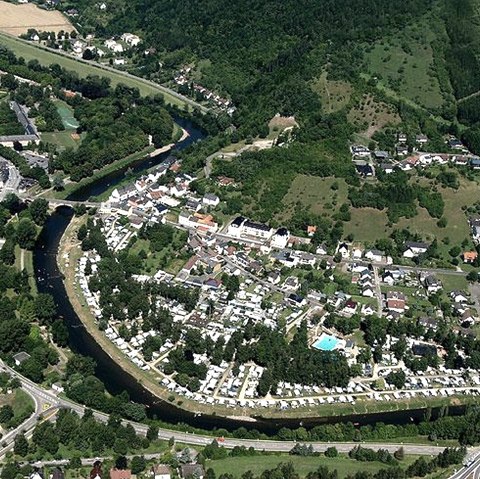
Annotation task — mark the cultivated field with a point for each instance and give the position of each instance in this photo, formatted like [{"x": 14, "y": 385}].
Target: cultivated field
[{"x": 17, "y": 19}]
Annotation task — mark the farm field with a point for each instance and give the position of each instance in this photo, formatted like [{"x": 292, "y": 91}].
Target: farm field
[
  {"x": 303, "y": 465},
  {"x": 17, "y": 19}
]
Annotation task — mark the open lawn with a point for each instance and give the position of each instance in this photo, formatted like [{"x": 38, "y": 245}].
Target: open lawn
[
  {"x": 315, "y": 193},
  {"x": 303, "y": 465},
  {"x": 335, "y": 94},
  {"x": 17, "y": 19},
  {"x": 31, "y": 51},
  {"x": 63, "y": 139},
  {"x": 371, "y": 115},
  {"x": 451, "y": 282}
]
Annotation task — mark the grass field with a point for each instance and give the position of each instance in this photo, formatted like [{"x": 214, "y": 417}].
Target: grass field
[
  {"x": 371, "y": 115},
  {"x": 315, "y": 193},
  {"x": 405, "y": 62},
  {"x": 368, "y": 224},
  {"x": 30, "y": 51},
  {"x": 63, "y": 139},
  {"x": 303, "y": 465},
  {"x": 335, "y": 95},
  {"x": 17, "y": 19}
]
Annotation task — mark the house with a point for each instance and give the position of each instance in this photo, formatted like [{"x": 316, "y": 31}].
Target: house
[
  {"x": 428, "y": 323},
  {"x": 432, "y": 284},
  {"x": 160, "y": 471},
  {"x": 468, "y": 316},
  {"x": 119, "y": 61},
  {"x": 120, "y": 473},
  {"x": 235, "y": 227},
  {"x": 401, "y": 137},
  {"x": 413, "y": 249},
  {"x": 192, "y": 471},
  {"x": 460, "y": 160},
  {"x": 350, "y": 307},
  {"x": 36, "y": 474},
  {"x": 130, "y": 39},
  {"x": 381, "y": 155},
  {"x": 260, "y": 230},
  {"x": 360, "y": 151},
  {"x": 475, "y": 163},
  {"x": 210, "y": 200},
  {"x": 311, "y": 230},
  {"x": 402, "y": 150},
  {"x": 321, "y": 250},
  {"x": 374, "y": 255},
  {"x": 469, "y": 256},
  {"x": 57, "y": 387},
  {"x": 343, "y": 250},
  {"x": 20, "y": 357},
  {"x": 458, "y": 297},
  {"x": 274, "y": 277},
  {"x": 280, "y": 238},
  {"x": 455, "y": 144},
  {"x": 386, "y": 167},
  {"x": 368, "y": 291},
  {"x": 365, "y": 170},
  {"x": 421, "y": 139},
  {"x": 396, "y": 304}
]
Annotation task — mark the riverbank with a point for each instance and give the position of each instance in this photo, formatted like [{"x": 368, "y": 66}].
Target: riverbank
[
  {"x": 72, "y": 187},
  {"x": 69, "y": 248}
]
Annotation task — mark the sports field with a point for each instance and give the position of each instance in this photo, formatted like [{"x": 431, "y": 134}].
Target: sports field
[
  {"x": 17, "y": 19},
  {"x": 66, "y": 113}
]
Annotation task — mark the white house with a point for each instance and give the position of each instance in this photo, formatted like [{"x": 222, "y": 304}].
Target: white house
[
  {"x": 119, "y": 61},
  {"x": 235, "y": 227},
  {"x": 130, "y": 39},
  {"x": 280, "y": 238},
  {"x": 374, "y": 255},
  {"x": 160, "y": 471},
  {"x": 211, "y": 200},
  {"x": 343, "y": 250},
  {"x": 413, "y": 249},
  {"x": 259, "y": 230}
]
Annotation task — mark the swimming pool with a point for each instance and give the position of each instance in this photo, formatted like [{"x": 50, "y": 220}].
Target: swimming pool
[{"x": 326, "y": 342}]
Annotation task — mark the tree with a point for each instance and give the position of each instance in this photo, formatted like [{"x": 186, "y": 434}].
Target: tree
[
  {"x": 331, "y": 452},
  {"x": 39, "y": 211},
  {"x": 121, "y": 462},
  {"x": 6, "y": 413},
  {"x": 21, "y": 445},
  {"x": 138, "y": 464},
  {"x": 45, "y": 308},
  {"x": 60, "y": 333},
  {"x": 152, "y": 433},
  {"x": 26, "y": 233}
]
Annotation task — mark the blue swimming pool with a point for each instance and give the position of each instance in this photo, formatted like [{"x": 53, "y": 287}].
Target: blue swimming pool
[{"x": 326, "y": 343}]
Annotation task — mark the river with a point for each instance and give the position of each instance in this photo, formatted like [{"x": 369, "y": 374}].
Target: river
[{"x": 49, "y": 280}]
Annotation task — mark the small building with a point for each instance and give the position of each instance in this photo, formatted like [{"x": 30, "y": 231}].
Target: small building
[
  {"x": 57, "y": 387},
  {"x": 20, "y": 357},
  {"x": 211, "y": 200},
  {"x": 161, "y": 471},
  {"x": 421, "y": 139},
  {"x": 414, "y": 249},
  {"x": 469, "y": 256}
]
